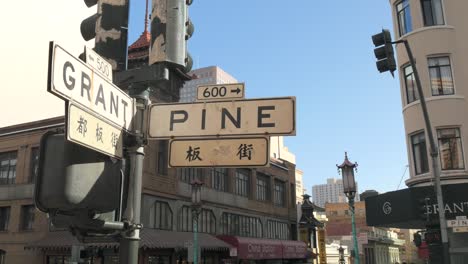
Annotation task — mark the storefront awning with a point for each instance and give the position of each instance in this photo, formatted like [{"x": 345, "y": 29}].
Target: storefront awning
[
  {"x": 150, "y": 239},
  {"x": 402, "y": 209},
  {"x": 256, "y": 248}
]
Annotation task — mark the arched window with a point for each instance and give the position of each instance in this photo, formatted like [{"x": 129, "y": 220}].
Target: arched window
[
  {"x": 2, "y": 256},
  {"x": 160, "y": 216},
  {"x": 206, "y": 220}
]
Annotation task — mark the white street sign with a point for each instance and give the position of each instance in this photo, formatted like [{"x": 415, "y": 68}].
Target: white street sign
[
  {"x": 460, "y": 229},
  {"x": 461, "y": 222},
  {"x": 221, "y": 152},
  {"x": 98, "y": 63},
  {"x": 267, "y": 116},
  {"x": 220, "y": 91},
  {"x": 73, "y": 80},
  {"x": 93, "y": 132}
]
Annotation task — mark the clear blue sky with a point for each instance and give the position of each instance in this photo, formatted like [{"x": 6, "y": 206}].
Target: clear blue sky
[{"x": 322, "y": 53}]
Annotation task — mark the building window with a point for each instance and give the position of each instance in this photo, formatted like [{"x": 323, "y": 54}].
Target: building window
[
  {"x": 263, "y": 187},
  {"x": 162, "y": 157},
  {"x": 188, "y": 175},
  {"x": 404, "y": 17},
  {"x": 418, "y": 143},
  {"x": 432, "y": 12},
  {"x": 440, "y": 73},
  {"x": 280, "y": 191},
  {"x": 58, "y": 259},
  {"x": 160, "y": 216},
  {"x": 450, "y": 148},
  {"x": 206, "y": 220},
  {"x": 2, "y": 257},
  {"x": 8, "y": 167},
  {"x": 410, "y": 83},
  {"x": 34, "y": 165},
  {"x": 277, "y": 230},
  {"x": 27, "y": 217},
  {"x": 159, "y": 259},
  {"x": 4, "y": 218},
  {"x": 240, "y": 225},
  {"x": 242, "y": 182},
  {"x": 219, "y": 178}
]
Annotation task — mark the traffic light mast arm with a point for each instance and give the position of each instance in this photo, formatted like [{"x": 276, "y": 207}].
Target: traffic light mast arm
[{"x": 434, "y": 154}]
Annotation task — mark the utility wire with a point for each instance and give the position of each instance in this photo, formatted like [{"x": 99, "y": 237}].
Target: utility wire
[{"x": 406, "y": 168}]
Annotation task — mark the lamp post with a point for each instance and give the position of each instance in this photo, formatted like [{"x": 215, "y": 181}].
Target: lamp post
[
  {"x": 349, "y": 188},
  {"x": 341, "y": 259},
  {"x": 196, "y": 209}
]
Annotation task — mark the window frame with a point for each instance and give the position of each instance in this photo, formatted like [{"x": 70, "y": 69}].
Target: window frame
[
  {"x": 11, "y": 171},
  {"x": 188, "y": 175},
  {"x": 167, "y": 215},
  {"x": 263, "y": 191},
  {"x": 414, "y": 95},
  {"x": 459, "y": 144},
  {"x": 424, "y": 143},
  {"x": 432, "y": 12},
  {"x": 27, "y": 217},
  {"x": 402, "y": 14},
  {"x": 242, "y": 182},
  {"x": 234, "y": 224},
  {"x": 439, "y": 77},
  {"x": 162, "y": 162},
  {"x": 280, "y": 193},
  {"x": 5, "y": 212},
  {"x": 219, "y": 179},
  {"x": 34, "y": 164}
]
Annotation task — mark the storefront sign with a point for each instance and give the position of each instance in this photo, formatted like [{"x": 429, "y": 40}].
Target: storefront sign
[
  {"x": 400, "y": 209},
  {"x": 294, "y": 249},
  {"x": 322, "y": 246}
]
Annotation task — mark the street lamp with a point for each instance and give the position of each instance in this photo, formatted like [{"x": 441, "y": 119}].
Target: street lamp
[
  {"x": 196, "y": 209},
  {"x": 349, "y": 189},
  {"x": 341, "y": 259}
]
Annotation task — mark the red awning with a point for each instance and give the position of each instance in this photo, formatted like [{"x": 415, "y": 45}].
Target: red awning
[{"x": 256, "y": 248}]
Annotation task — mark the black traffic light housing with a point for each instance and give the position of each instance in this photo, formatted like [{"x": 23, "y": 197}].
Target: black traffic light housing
[
  {"x": 384, "y": 51},
  {"x": 170, "y": 30},
  {"x": 417, "y": 239},
  {"x": 109, "y": 28},
  {"x": 423, "y": 204},
  {"x": 78, "y": 188}
]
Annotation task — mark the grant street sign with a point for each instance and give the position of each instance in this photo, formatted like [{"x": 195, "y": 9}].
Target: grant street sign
[
  {"x": 93, "y": 132},
  {"x": 221, "y": 152},
  {"x": 220, "y": 91},
  {"x": 73, "y": 80},
  {"x": 267, "y": 116}
]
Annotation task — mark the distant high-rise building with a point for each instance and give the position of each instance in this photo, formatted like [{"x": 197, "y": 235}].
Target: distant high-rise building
[
  {"x": 207, "y": 75},
  {"x": 331, "y": 192}
]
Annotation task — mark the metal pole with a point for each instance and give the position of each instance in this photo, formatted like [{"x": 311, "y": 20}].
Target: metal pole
[
  {"x": 195, "y": 236},
  {"x": 434, "y": 156},
  {"x": 353, "y": 224},
  {"x": 130, "y": 241}
]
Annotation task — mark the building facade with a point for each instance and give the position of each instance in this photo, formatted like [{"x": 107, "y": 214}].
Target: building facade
[
  {"x": 436, "y": 30},
  {"x": 376, "y": 245},
  {"x": 438, "y": 35},
  {"x": 331, "y": 192}
]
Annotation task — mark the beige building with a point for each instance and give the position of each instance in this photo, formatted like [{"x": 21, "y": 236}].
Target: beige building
[{"x": 437, "y": 32}]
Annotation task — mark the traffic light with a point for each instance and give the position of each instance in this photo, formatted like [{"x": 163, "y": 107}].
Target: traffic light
[
  {"x": 170, "y": 30},
  {"x": 109, "y": 28},
  {"x": 76, "y": 181},
  {"x": 433, "y": 237},
  {"x": 384, "y": 54},
  {"x": 417, "y": 239}
]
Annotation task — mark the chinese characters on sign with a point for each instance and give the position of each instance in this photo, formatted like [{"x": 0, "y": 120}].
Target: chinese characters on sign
[
  {"x": 106, "y": 139},
  {"x": 229, "y": 152}
]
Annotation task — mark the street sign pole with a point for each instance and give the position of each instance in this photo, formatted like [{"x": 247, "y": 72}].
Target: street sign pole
[{"x": 130, "y": 241}]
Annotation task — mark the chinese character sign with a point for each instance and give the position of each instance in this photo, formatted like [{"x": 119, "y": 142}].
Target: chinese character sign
[
  {"x": 220, "y": 152},
  {"x": 96, "y": 133}
]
